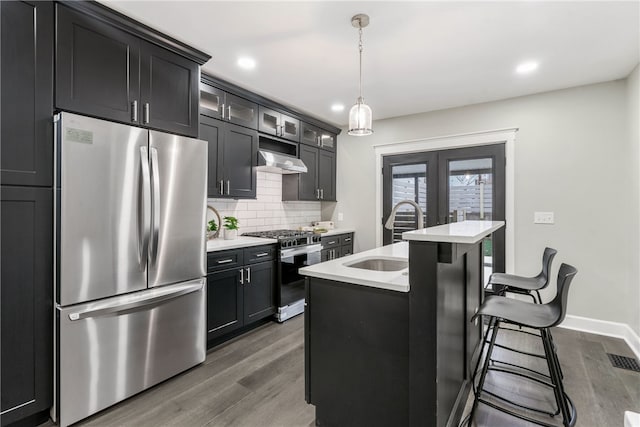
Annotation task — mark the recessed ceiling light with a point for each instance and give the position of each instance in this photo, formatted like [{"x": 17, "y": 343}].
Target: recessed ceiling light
[
  {"x": 337, "y": 108},
  {"x": 246, "y": 63},
  {"x": 527, "y": 67}
]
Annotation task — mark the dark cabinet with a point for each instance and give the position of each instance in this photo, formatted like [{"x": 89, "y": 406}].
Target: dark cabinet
[
  {"x": 336, "y": 246},
  {"x": 319, "y": 183},
  {"x": 169, "y": 91},
  {"x": 240, "y": 288},
  {"x": 26, "y": 206},
  {"x": 278, "y": 124},
  {"x": 327, "y": 175},
  {"x": 26, "y": 271},
  {"x": 27, "y": 93},
  {"x": 224, "y": 303},
  {"x": 313, "y": 135},
  {"x": 232, "y": 158},
  {"x": 259, "y": 298},
  {"x": 221, "y": 105},
  {"x": 104, "y": 71}
]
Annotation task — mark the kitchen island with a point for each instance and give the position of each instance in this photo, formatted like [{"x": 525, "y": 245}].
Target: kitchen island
[{"x": 390, "y": 343}]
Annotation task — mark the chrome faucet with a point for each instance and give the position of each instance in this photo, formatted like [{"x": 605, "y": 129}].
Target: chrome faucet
[{"x": 392, "y": 216}]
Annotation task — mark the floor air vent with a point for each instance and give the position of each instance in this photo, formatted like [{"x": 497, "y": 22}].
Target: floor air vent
[{"x": 624, "y": 362}]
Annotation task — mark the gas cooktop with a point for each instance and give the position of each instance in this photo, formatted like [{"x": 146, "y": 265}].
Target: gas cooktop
[
  {"x": 279, "y": 234},
  {"x": 288, "y": 238}
]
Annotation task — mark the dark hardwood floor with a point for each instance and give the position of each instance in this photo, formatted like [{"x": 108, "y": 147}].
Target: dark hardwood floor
[{"x": 258, "y": 380}]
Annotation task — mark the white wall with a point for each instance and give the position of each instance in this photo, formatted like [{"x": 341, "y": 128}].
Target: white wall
[
  {"x": 633, "y": 101},
  {"x": 268, "y": 211},
  {"x": 572, "y": 157}
]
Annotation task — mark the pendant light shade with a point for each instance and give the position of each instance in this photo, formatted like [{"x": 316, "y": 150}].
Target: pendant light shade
[{"x": 360, "y": 117}]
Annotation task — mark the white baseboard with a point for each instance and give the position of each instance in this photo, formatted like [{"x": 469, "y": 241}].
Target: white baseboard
[{"x": 603, "y": 327}]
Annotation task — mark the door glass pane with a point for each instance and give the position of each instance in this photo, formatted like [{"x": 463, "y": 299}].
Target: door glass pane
[
  {"x": 243, "y": 113},
  {"x": 210, "y": 101},
  {"x": 270, "y": 121},
  {"x": 471, "y": 197},
  {"x": 290, "y": 128},
  {"x": 409, "y": 182}
]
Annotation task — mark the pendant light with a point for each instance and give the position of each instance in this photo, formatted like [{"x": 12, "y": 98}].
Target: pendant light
[{"x": 360, "y": 114}]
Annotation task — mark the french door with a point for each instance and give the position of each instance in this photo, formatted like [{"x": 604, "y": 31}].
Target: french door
[{"x": 449, "y": 186}]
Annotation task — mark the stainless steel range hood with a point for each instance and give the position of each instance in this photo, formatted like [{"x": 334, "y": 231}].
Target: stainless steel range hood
[{"x": 270, "y": 161}]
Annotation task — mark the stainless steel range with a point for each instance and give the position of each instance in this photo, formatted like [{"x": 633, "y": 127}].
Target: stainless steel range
[{"x": 296, "y": 249}]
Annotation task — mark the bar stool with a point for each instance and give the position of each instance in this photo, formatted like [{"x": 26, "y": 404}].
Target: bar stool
[
  {"x": 541, "y": 317},
  {"x": 503, "y": 282}
]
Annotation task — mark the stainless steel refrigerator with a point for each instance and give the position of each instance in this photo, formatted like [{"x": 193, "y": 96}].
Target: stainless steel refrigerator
[{"x": 130, "y": 210}]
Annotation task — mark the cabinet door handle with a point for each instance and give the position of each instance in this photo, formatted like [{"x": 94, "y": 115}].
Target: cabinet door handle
[
  {"x": 224, "y": 261},
  {"x": 248, "y": 275},
  {"x": 229, "y": 112},
  {"x": 222, "y": 111},
  {"x": 322, "y": 193},
  {"x": 146, "y": 113},
  {"x": 222, "y": 187},
  {"x": 347, "y": 239},
  {"x": 242, "y": 276},
  {"x": 318, "y": 140},
  {"x": 228, "y": 186},
  {"x": 262, "y": 254},
  {"x": 333, "y": 242},
  {"x": 134, "y": 111},
  {"x": 317, "y": 193}
]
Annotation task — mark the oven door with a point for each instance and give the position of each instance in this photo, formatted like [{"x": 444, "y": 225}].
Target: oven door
[{"x": 291, "y": 282}]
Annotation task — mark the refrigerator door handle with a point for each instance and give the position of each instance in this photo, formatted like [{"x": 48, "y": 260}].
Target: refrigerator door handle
[
  {"x": 144, "y": 220},
  {"x": 138, "y": 304},
  {"x": 155, "y": 206}
]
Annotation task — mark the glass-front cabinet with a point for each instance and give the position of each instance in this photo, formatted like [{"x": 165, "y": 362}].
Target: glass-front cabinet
[
  {"x": 278, "y": 124},
  {"x": 221, "y": 105},
  {"x": 312, "y": 135}
]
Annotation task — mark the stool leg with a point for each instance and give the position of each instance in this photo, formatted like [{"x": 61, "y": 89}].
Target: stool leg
[
  {"x": 484, "y": 343},
  {"x": 485, "y": 367},
  {"x": 558, "y": 389}
]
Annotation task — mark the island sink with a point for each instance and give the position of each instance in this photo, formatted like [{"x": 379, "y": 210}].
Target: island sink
[{"x": 380, "y": 264}]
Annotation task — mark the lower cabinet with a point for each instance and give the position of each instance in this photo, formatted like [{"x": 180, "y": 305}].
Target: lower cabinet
[
  {"x": 336, "y": 246},
  {"x": 26, "y": 272},
  {"x": 240, "y": 295}
]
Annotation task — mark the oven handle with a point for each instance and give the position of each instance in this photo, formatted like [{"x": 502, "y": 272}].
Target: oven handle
[{"x": 285, "y": 253}]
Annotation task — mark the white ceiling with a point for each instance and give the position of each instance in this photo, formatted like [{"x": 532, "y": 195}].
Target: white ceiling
[{"x": 418, "y": 56}]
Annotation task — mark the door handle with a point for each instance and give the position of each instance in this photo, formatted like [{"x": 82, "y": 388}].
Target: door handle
[
  {"x": 229, "y": 112},
  {"x": 144, "y": 228},
  {"x": 228, "y": 186},
  {"x": 222, "y": 111},
  {"x": 248, "y": 274},
  {"x": 134, "y": 111},
  {"x": 242, "y": 276},
  {"x": 322, "y": 193},
  {"x": 222, "y": 187},
  {"x": 146, "y": 113},
  {"x": 155, "y": 205},
  {"x": 136, "y": 304}
]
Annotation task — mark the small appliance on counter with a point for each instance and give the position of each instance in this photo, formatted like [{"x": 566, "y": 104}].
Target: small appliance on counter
[{"x": 328, "y": 225}]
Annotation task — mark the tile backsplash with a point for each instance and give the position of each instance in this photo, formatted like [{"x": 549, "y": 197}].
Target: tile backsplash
[{"x": 268, "y": 212}]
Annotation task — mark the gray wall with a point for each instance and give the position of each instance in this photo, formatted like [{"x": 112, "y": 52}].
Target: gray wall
[{"x": 574, "y": 155}]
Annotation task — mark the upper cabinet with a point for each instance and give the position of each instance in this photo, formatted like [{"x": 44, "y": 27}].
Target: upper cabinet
[
  {"x": 104, "y": 70},
  {"x": 313, "y": 135},
  {"x": 26, "y": 128},
  {"x": 221, "y": 105},
  {"x": 278, "y": 124},
  {"x": 232, "y": 156}
]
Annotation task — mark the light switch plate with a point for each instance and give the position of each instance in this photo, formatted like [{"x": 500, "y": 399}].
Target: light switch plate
[{"x": 543, "y": 218}]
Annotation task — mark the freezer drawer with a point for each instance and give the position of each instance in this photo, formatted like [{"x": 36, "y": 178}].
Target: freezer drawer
[{"x": 114, "y": 348}]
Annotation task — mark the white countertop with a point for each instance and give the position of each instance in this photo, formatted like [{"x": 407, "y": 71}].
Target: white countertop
[
  {"x": 220, "y": 244},
  {"x": 457, "y": 232},
  {"x": 337, "y": 270}
]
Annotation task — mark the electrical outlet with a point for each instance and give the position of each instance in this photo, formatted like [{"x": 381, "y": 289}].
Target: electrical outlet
[
  {"x": 543, "y": 218},
  {"x": 340, "y": 216}
]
